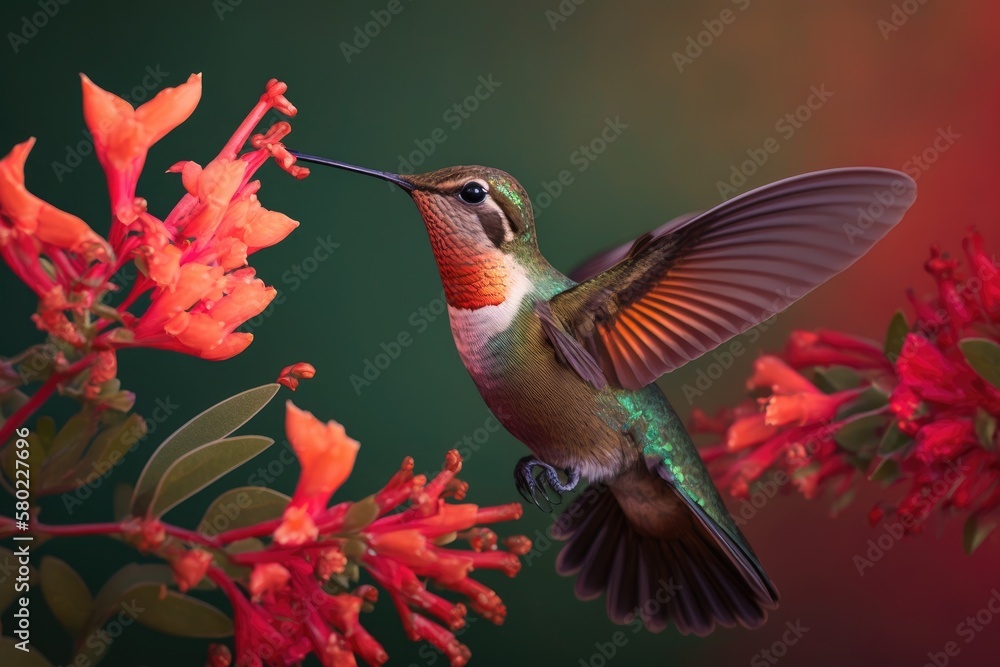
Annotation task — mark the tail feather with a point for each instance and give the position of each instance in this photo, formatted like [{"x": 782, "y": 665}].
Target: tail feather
[{"x": 685, "y": 578}]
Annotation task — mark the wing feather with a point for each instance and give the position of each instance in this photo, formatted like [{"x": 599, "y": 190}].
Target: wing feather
[{"x": 678, "y": 292}]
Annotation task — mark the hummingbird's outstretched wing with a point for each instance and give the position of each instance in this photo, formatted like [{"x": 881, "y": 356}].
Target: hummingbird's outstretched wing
[
  {"x": 692, "y": 285},
  {"x": 603, "y": 261}
]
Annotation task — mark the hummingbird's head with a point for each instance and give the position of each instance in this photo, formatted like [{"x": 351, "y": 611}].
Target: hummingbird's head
[{"x": 480, "y": 225}]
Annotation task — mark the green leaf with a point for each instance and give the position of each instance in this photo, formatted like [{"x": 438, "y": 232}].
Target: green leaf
[
  {"x": 842, "y": 501},
  {"x": 115, "y": 600},
  {"x": 896, "y": 336},
  {"x": 984, "y": 356},
  {"x": 179, "y": 615},
  {"x": 133, "y": 594},
  {"x": 201, "y": 466},
  {"x": 109, "y": 447},
  {"x": 109, "y": 599},
  {"x": 986, "y": 429},
  {"x": 45, "y": 427},
  {"x": 361, "y": 514},
  {"x": 11, "y": 655},
  {"x": 66, "y": 594},
  {"x": 861, "y": 433},
  {"x": 66, "y": 448},
  {"x": 870, "y": 399},
  {"x": 10, "y": 402},
  {"x": 974, "y": 533},
  {"x": 121, "y": 503},
  {"x": 241, "y": 507},
  {"x": 887, "y": 472},
  {"x": 893, "y": 439},
  {"x": 836, "y": 378},
  {"x": 213, "y": 424},
  {"x": 806, "y": 470}
]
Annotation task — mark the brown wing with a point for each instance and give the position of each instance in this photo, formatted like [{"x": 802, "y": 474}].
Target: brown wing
[
  {"x": 605, "y": 260},
  {"x": 681, "y": 293}
]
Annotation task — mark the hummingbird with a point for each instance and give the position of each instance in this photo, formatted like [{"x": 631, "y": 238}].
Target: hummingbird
[{"x": 568, "y": 364}]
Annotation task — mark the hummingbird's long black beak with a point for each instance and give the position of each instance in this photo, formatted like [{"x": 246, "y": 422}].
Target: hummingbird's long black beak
[{"x": 384, "y": 175}]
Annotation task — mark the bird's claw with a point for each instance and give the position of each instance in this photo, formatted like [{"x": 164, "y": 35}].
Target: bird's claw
[{"x": 530, "y": 484}]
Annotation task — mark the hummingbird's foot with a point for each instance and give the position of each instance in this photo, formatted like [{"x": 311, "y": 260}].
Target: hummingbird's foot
[{"x": 531, "y": 484}]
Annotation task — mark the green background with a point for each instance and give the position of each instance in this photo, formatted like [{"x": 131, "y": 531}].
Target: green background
[{"x": 558, "y": 84}]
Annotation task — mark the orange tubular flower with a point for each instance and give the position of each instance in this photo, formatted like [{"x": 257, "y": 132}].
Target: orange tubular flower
[
  {"x": 123, "y": 135},
  {"x": 29, "y": 215},
  {"x": 193, "y": 263},
  {"x": 296, "y": 599},
  {"x": 327, "y": 457}
]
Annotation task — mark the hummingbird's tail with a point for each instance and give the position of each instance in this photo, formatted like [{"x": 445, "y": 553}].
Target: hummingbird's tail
[{"x": 657, "y": 561}]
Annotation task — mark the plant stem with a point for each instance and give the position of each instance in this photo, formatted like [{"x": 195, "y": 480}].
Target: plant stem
[
  {"x": 112, "y": 528},
  {"x": 39, "y": 397},
  {"x": 80, "y": 529},
  {"x": 259, "y": 530}
]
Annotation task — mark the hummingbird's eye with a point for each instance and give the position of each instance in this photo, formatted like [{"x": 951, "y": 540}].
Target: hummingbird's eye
[{"x": 473, "y": 192}]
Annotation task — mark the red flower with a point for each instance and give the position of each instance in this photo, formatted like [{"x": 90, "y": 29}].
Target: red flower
[
  {"x": 190, "y": 568},
  {"x": 922, "y": 417},
  {"x": 219, "y": 655},
  {"x": 290, "y": 375},
  {"x": 267, "y": 578},
  {"x": 296, "y": 602},
  {"x": 944, "y": 439},
  {"x": 192, "y": 263}
]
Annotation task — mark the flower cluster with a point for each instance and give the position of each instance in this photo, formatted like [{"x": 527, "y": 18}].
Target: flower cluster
[
  {"x": 291, "y": 567},
  {"x": 920, "y": 410},
  {"x": 297, "y": 599},
  {"x": 192, "y": 263}
]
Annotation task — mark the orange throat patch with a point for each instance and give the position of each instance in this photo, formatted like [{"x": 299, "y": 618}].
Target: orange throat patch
[
  {"x": 472, "y": 281},
  {"x": 474, "y": 277}
]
